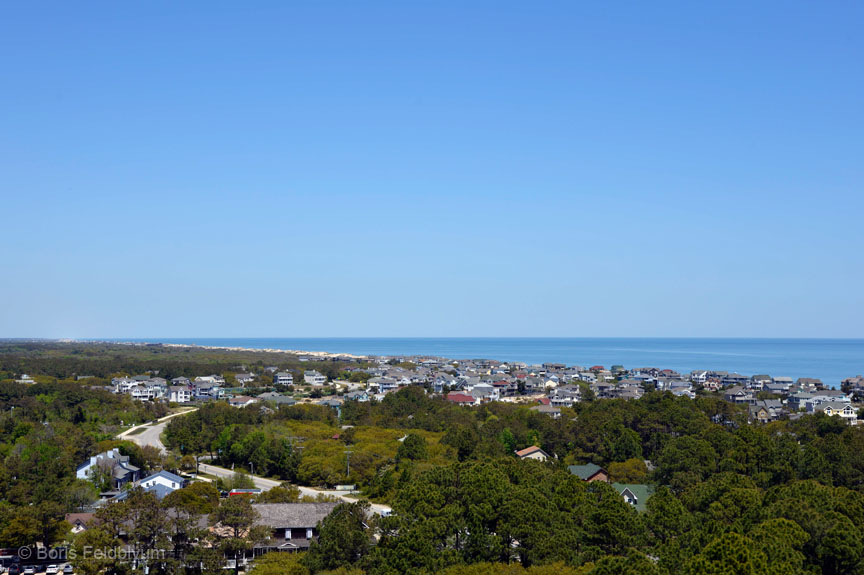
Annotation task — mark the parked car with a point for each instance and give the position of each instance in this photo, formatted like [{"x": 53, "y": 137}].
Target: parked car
[
  {"x": 29, "y": 570},
  {"x": 67, "y": 569},
  {"x": 51, "y": 570},
  {"x": 14, "y": 569}
]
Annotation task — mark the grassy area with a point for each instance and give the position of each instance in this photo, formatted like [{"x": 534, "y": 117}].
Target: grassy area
[{"x": 137, "y": 431}]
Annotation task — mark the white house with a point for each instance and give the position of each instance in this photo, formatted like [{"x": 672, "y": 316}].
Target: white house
[
  {"x": 179, "y": 394},
  {"x": 165, "y": 478},
  {"x": 532, "y": 452},
  {"x": 283, "y": 378},
  {"x": 314, "y": 378},
  {"x": 110, "y": 461},
  {"x": 162, "y": 483},
  {"x": 242, "y": 401}
]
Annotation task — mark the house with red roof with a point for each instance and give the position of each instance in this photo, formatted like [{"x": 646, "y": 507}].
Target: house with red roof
[{"x": 462, "y": 398}]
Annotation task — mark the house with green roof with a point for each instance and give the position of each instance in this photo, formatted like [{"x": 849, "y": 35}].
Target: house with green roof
[
  {"x": 589, "y": 472},
  {"x": 635, "y": 494}
]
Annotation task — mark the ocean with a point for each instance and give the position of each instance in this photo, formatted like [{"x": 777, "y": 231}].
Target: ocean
[{"x": 831, "y": 360}]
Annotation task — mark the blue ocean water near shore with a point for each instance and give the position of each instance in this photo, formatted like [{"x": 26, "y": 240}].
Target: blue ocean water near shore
[{"x": 832, "y": 360}]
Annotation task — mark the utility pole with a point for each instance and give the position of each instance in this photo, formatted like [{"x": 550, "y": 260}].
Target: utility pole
[{"x": 347, "y": 462}]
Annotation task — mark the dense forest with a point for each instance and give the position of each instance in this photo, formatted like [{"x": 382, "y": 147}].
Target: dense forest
[
  {"x": 729, "y": 496},
  {"x": 101, "y": 361}
]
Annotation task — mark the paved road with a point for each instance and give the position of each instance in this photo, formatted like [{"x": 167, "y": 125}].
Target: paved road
[{"x": 151, "y": 434}]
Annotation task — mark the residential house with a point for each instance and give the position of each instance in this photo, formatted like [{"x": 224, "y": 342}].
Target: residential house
[
  {"x": 484, "y": 392},
  {"x": 207, "y": 390},
  {"x": 383, "y": 384},
  {"x": 277, "y": 398},
  {"x": 765, "y": 410},
  {"x": 758, "y": 382},
  {"x": 111, "y": 463},
  {"x": 836, "y": 408},
  {"x": 80, "y": 521},
  {"x": 565, "y": 396},
  {"x": 589, "y": 472},
  {"x": 162, "y": 483},
  {"x": 293, "y": 525},
  {"x": 332, "y": 404},
  {"x": 461, "y": 398},
  {"x": 738, "y": 394},
  {"x": 776, "y": 388},
  {"x": 244, "y": 378},
  {"x": 809, "y": 383},
  {"x": 785, "y": 382},
  {"x": 734, "y": 379},
  {"x": 179, "y": 394},
  {"x": 532, "y": 452},
  {"x": 635, "y": 494},
  {"x": 360, "y": 396},
  {"x": 799, "y": 400},
  {"x": 283, "y": 378},
  {"x": 314, "y": 378},
  {"x": 242, "y": 401},
  {"x": 550, "y": 410}
]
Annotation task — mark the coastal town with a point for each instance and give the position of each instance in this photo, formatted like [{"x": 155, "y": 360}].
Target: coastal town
[
  {"x": 548, "y": 386},
  {"x": 251, "y": 457}
]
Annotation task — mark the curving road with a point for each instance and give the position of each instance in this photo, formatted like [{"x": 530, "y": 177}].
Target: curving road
[
  {"x": 152, "y": 433},
  {"x": 152, "y": 436}
]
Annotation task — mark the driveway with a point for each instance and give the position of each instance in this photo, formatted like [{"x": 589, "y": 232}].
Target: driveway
[{"x": 151, "y": 434}]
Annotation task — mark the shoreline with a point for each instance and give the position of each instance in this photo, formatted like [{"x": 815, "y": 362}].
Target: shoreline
[
  {"x": 684, "y": 355},
  {"x": 317, "y": 354}
]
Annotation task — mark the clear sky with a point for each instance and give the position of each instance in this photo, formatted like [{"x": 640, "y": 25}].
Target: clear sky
[{"x": 431, "y": 169}]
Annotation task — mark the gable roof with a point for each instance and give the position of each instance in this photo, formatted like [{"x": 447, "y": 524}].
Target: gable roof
[
  {"x": 161, "y": 491},
  {"x": 641, "y": 492},
  {"x": 293, "y": 515},
  {"x": 586, "y": 471},
  {"x": 529, "y": 450},
  {"x": 460, "y": 398},
  {"x": 167, "y": 475}
]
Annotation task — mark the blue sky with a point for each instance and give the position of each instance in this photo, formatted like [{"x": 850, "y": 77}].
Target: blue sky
[{"x": 431, "y": 169}]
